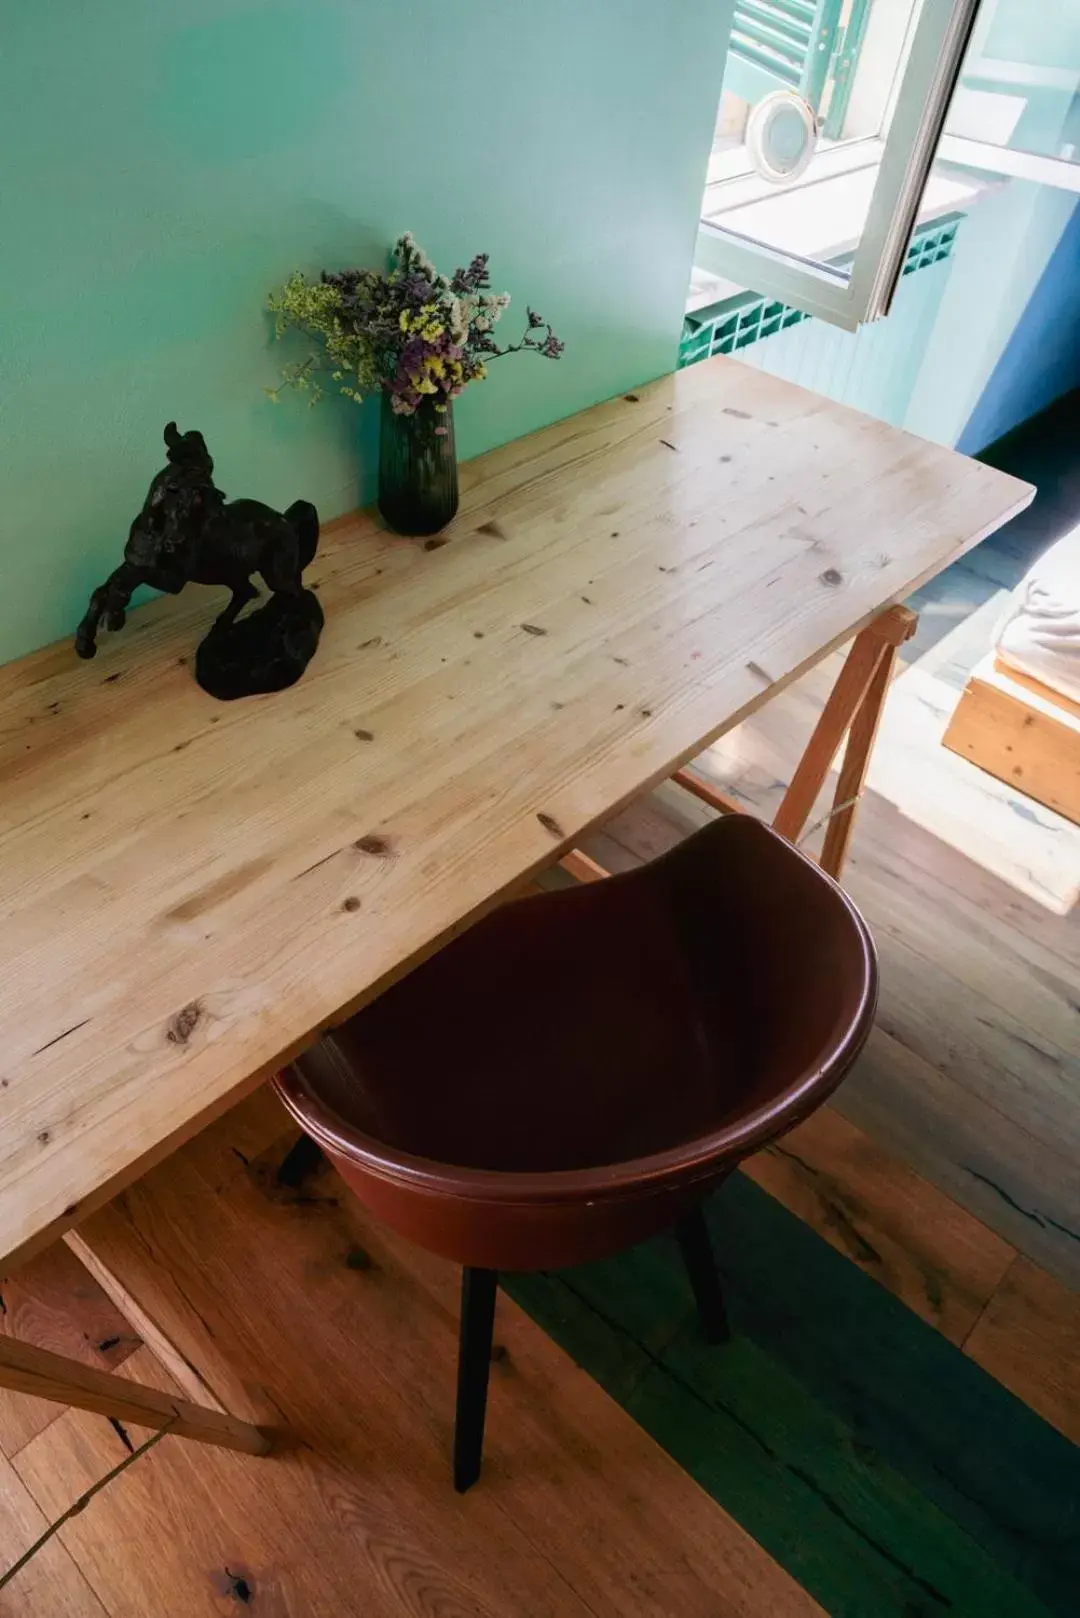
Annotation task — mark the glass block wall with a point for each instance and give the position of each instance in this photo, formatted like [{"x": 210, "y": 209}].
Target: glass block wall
[{"x": 736, "y": 323}]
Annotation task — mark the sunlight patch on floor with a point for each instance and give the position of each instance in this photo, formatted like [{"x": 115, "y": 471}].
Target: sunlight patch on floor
[{"x": 1017, "y": 840}]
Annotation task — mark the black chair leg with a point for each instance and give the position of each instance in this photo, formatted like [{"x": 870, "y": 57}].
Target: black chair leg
[
  {"x": 692, "y": 1235},
  {"x": 300, "y": 1161},
  {"x": 474, "y": 1360}
]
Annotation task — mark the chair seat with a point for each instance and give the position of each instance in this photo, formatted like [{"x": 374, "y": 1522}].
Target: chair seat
[
  {"x": 606, "y": 1041},
  {"x": 575, "y": 1073},
  {"x": 557, "y": 1034}
]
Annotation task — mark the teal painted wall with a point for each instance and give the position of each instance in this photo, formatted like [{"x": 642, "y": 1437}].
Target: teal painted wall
[
  {"x": 165, "y": 166},
  {"x": 1003, "y": 278},
  {"x": 1023, "y": 31},
  {"x": 1002, "y": 250},
  {"x": 875, "y": 368},
  {"x": 1043, "y": 38},
  {"x": 938, "y": 364},
  {"x": 1041, "y": 360}
]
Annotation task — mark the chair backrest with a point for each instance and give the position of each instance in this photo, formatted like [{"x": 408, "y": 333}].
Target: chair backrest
[
  {"x": 733, "y": 957},
  {"x": 777, "y": 949}
]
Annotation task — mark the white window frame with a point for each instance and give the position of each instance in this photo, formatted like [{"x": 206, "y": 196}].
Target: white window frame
[
  {"x": 865, "y": 293},
  {"x": 1061, "y": 172},
  {"x": 1017, "y": 163}
]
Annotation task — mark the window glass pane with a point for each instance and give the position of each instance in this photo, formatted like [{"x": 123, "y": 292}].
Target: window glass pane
[
  {"x": 1020, "y": 87},
  {"x": 844, "y": 59}
]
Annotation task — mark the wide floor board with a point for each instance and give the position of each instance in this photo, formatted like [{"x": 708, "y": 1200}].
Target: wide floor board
[{"x": 579, "y": 1511}]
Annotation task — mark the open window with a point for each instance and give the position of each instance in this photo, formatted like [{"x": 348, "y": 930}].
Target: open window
[
  {"x": 829, "y": 120},
  {"x": 809, "y": 46},
  {"x": 1016, "y": 110}
]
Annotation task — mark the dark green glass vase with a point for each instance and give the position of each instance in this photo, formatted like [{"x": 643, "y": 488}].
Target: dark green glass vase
[{"x": 418, "y": 481}]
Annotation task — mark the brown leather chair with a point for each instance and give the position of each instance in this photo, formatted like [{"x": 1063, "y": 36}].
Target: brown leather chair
[{"x": 580, "y": 1069}]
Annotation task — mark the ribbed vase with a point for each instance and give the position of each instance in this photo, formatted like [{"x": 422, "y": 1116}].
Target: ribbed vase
[{"x": 418, "y": 478}]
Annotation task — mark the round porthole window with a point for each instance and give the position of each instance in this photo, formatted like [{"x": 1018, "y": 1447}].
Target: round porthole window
[{"x": 781, "y": 134}]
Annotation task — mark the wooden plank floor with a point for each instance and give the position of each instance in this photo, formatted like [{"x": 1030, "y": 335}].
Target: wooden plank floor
[
  {"x": 972, "y": 1076},
  {"x": 53, "y": 1303},
  {"x": 887, "y": 1471},
  {"x": 580, "y": 1512},
  {"x": 353, "y": 1333},
  {"x": 966, "y": 1104}
]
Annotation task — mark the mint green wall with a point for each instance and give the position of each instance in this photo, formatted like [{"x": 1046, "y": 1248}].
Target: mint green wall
[
  {"x": 1042, "y": 39},
  {"x": 1038, "y": 32},
  {"x": 928, "y": 366},
  {"x": 1041, "y": 361},
  {"x": 164, "y": 166},
  {"x": 1002, "y": 249},
  {"x": 875, "y": 368}
]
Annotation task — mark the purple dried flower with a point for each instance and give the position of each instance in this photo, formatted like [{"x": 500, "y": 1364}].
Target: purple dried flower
[
  {"x": 473, "y": 279},
  {"x": 373, "y": 328},
  {"x": 412, "y": 355}
]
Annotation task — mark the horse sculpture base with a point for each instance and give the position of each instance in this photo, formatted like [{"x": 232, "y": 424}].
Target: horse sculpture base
[
  {"x": 266, "y": 651},
  {"x": 187, "y": 533}
]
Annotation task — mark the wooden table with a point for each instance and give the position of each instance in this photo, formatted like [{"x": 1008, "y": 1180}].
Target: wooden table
[{"x": 190, "y": 891}]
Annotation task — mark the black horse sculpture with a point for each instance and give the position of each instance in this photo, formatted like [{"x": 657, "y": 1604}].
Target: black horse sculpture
[{"x": 187, "y": 533}]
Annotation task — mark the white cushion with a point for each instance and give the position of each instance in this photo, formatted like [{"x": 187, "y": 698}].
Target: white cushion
[{"x": 1040, "y": 633}]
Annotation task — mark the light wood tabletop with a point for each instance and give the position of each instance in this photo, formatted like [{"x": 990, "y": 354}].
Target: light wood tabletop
[{"x": 190, "y": 890}]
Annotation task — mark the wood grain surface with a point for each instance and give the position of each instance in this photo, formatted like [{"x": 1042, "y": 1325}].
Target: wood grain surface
[
  {"x": 50, "y": 1376},
  {"x": 53, "y": 1303},
  {"x": 972, "y": 1073},
  {"x": 1029, "y": 1338},
  {"x": 580, "y": 1512},
  {"x": 1022, "y": 732},
  {"x": 189, "y": 891},
  {"x": 278, "y": 1283},
  {"x": 49, "y": 1584},
  {"x": 908, "y": 1235}
]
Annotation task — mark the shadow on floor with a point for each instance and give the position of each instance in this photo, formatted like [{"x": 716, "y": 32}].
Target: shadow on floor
[
  {"x": 1044, "y": 451},
  {"x": 884, "y": 1469}
]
